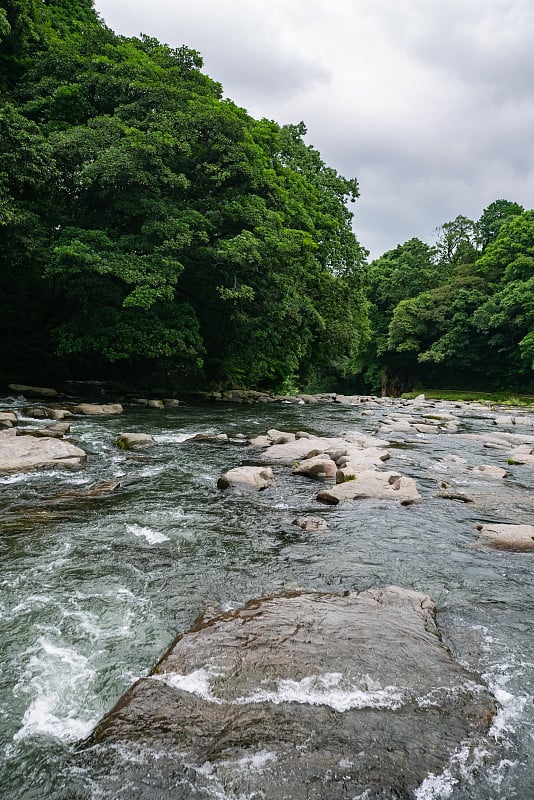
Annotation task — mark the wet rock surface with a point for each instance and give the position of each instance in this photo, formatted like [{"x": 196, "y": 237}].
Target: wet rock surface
[
  {"x": 247, "y": 478},
  {"x": 25, "y": 453},
  {"x": 333, "y": 695},
  {"x": 133, "y": 441},
  {"x": 517, "y": 538}
]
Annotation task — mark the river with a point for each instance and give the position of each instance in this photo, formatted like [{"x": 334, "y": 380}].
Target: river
[{"x": 92, "y": 593}]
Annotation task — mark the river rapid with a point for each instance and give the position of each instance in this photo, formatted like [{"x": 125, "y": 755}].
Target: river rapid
[{"x": 93, "y": 592}]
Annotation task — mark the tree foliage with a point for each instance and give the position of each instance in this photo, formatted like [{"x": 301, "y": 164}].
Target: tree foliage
[
  {"x": 461, "y": 313},
  {"x": 152, "y": 223}
]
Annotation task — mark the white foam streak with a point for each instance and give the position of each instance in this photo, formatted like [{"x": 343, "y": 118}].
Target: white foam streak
[
  {"x": 56, "y": 679},
  {"x": 152, "y": 536},
  {"x": 320, "y": 690}
]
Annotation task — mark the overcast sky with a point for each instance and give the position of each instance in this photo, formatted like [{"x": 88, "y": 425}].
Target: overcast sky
[{"x": 428, "y": 103}]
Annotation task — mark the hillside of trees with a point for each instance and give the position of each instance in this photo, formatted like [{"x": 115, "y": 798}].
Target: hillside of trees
[{"x": 153, "y": 232}]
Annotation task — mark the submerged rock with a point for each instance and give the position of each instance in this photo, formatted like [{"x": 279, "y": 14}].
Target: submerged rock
[
  {"x": 310, "y": 524},
  {"x": 328, "y": 695},
  {"x": 25, "y": 453}
]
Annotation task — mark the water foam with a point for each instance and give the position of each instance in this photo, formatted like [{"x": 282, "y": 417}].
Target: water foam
[
  {"x": 329, "y": 689},
  {"x": 152, "y": 536},
  {"x": 56, "y": 679}
]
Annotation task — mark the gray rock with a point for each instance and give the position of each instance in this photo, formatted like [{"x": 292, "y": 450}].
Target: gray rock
[
  {"x": 247, "y": 478},
  {"x": 7, "y": 419},
  {"x": 32, "y": 391},
  {"x": 373, "y": 485},
  {"x": 60, "y": 413},
  {"x": 518, "y": 538},
  {"x": 37, "y": 412},
  {"x": 489, "y": 471},
  {"x": 320, "y": 466},
  {"x": 354, "y": 695},
  {"x": 26, "y": 453},
  {"x": 208, "y": 437},
  {"x": 155, "y": 404},
  {"x": 280, "y": 437},
  {"x": 133, "y": 441},
  {"x": 97, "y": 409},
  {"x": 56, "y": 431}
]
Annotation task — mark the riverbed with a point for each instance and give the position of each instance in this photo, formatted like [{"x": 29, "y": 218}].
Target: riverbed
[{"x": 93, "y": 592}]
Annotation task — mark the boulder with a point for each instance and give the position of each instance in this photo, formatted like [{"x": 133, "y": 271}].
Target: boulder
[
  {"x": 25, "y": 453},
  {"x": 32, "y": 391},
  {"x": 247, "y": 478},
  {"x": 320, "y": 466},
  {"x": 37, "y": 412},
  {"x": 518, "y": 538},
  {"x": 7, "y": 419},
  {"x": 132, "y": 441},
  {"x": 155, "y": 404},
  {"x": 296, "y": 695},
  {"x": 355, "y": 461},
  {"x": 59, "y": 413},
  {"x": 280, "y": 437},
  {"x": 372, "y": 485},
  {"x": 97, "y": 409}
]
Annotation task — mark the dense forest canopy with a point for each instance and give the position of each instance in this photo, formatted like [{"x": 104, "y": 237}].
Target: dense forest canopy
[{"x": 152, "y": 230}]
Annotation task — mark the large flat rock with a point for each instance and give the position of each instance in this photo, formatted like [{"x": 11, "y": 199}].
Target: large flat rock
[
  {"x": 300, "y": 695},
  {"x": 26, "y": 453},
  {"x": 518, "y": 538}
]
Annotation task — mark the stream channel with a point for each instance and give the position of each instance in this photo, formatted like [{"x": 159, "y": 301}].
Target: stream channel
[{"x": 93, "y": 593}]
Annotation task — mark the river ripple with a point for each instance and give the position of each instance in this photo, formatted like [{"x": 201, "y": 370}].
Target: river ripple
[{"x": 92, "y": 594}]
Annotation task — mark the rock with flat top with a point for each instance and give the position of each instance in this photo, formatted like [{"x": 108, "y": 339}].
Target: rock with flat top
[
  {"x": 32, "y": 391},
  {"x": 247, "y": 478},
  {"x": 98, "y": 409},
  {"x": 518, "y": 538},
  {"x": 489, "y": 471},
  {"x": 26, "y": 453},
  {"x": 298, "y": 695},
  {"x": 372, "y": 485},
  {"x": 7, "y": 419},
  {"x": 320, "y": 466}
]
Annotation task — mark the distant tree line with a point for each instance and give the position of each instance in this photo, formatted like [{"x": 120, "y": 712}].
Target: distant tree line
[
  {"x": 153, "y": 231},
  {"x": 459, "y": 313}
]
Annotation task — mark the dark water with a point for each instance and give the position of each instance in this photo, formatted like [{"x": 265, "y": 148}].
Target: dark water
[{"x": 91, "y": 594}]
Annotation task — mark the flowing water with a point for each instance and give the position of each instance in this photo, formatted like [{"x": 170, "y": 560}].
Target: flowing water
[{"x": 93, "y": 592}]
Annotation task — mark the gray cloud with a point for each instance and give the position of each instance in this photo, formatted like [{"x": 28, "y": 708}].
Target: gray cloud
[{"x": 430, "y": 105}]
